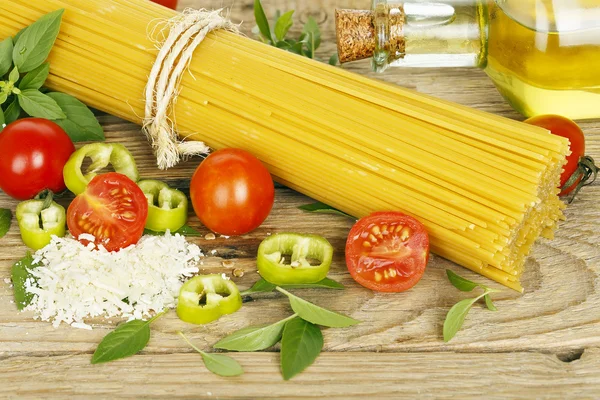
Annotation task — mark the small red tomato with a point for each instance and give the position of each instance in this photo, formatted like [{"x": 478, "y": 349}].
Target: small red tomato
[
  {"x": 167, "y": 3},
  {"x": 113, "y": 209},
  {"x": 564, "y": 127},
  {"x": 387, "y": 251},
  {"x": 33, "y": 154},
  {"x": 232, "y": 192}
]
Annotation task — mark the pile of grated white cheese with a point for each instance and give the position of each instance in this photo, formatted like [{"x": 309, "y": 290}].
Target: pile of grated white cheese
[{"x": 73, "y": 282}]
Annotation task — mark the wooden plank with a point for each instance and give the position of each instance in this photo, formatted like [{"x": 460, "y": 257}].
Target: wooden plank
[
  {"x": 557, "y": 314},
  {"x": 333, "y": 376}
]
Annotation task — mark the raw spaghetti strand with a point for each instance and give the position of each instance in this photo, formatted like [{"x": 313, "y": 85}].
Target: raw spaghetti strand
[{"x": 187, "y": 31}]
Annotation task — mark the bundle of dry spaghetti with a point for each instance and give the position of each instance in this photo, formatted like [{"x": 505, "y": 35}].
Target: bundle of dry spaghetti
[{"x": 484, "y": 186}]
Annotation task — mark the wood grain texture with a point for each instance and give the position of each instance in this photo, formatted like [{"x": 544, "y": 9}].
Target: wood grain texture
[{"x": 398, "y": 347}]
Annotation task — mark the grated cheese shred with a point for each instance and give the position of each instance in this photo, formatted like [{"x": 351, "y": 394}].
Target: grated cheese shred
[{"x": 73, "y": 282}]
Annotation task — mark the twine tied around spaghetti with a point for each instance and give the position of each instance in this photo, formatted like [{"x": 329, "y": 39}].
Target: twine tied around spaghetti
[{"x": 186, "y": 32}]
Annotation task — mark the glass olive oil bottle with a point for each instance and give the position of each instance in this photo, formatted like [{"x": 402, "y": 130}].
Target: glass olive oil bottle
[{"x": 542, "y": 55}]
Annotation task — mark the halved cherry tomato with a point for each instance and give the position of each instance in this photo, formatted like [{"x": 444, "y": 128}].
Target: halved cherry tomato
[
  {"x": 387, "y": 251},
  {"x": 564, "y": 127},
  {"x": 232, "y": 192},
  {"x": 167, "y": 3},
  {"x": 112, "y": 208}
]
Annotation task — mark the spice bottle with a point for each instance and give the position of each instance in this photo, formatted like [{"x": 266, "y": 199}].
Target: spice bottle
[{"x": 542, "y": 55}]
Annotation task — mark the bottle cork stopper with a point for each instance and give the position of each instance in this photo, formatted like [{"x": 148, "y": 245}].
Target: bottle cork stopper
[
  {"x": 355, "y": 34},
  {"x": 356, "y": 37}
]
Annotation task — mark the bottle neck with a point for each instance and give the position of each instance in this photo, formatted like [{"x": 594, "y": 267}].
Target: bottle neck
[{"x": 452, "y": 34}]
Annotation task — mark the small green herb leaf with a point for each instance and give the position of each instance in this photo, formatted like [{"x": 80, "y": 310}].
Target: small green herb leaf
[
  {"x": 456, "y": 317},
  {"x": 262, "y": 286},
  {"x": 253, "y": 338},
  {"x": 334, "y": 60},
  {"x": 313, "y": 36},
  {"x": 36, "y": 78},
  {"x": 316, "y": 314},
  {"x": 261, "y": 21},
  {"x": 489, "y": 304},
  {"x": 323, "y": 208},
  {"x": 301, "y": 344},
  {"x": 222, "y": 365},
  {"x": 33, "y": 45},
  {"x": 219, "y": 364},
  {"x": 185, "y": 230},
  {"x": 5, "y": 214},
  {"x": 2, "y": 122},
  {"x": 283, "y": 25},
  {"x": 3, "y": 97},
  {"x": 461, "y": 283},
  {"x": 80, "y": 123},
  {"x": 12, "y": 112},
  {"x": 20, "y": 272},
  {"x": 39, "y": 105},
  {"x": 14, "y": 75},
  {"x": 126, "y": 340},
  {"x": 6, "y": 50}
]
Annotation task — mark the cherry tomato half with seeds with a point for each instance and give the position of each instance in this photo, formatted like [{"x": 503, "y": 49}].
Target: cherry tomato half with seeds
[
  {"x": 232, "y": 192},
  {"x": 564, "y": 127},
  {"x": 112, "y": 208},
  {"x": 34, "y": 152},
  {"x": 387, "y": 251}
]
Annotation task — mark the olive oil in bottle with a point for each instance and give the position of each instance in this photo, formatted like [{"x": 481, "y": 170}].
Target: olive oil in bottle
[{"x": 542, "y": 55}]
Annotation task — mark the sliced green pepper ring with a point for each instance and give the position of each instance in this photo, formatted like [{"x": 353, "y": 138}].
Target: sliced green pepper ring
[
  {"x": 37, "y": 225},
  {"x": 290, "y": 258},
  {"x": 101, "y": 154},
  {"x": 205, "y": 298},
  {"x": 167, "y": 208}
]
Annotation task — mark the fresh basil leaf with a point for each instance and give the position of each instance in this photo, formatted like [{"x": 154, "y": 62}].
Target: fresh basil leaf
[
  {"x": 5, "y": 214},
  {"x": 12, "y": 112},
  {"x": 185, "y": 230},
  {"x": 20, "y": 273},
  {"x": 40, "y": 105},
  {"x": 18, "y": 35},
  {"x": 313, "y": 36},
  {"x": 6, "y": 49},
  {"x": 261, "y": 21},
  {"x": 301, "y": 344},
  {"x": 126, "y": 340},
  {"x": 33, "y": 46},
  {"x": 456, "y": 317},
  {"x": 317, "y": 315},
  {"x": 80, "y": 123},
  {"x": 283, "y": 25},
  {"x": 222, "y": 365},
  {"x": 2, "y": 121},
  {"x": 219, "y": 364},
  {"x": 36, "y": 78},
  {"x": 261, "y": 286},
  {"x": 3, "y": 98},
  {"x": 461, "y": 283},
  {"x": 14, "y": 75},
  {"x": 323, "y": 208},
  {"x": 489, "y": 304},
  {"x": 334, "y": 60},
  {"x": 253, "y": 338}
]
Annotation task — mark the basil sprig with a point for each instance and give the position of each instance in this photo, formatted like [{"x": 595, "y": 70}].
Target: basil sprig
[
  {"x": 23, "y": 72},
  {"x": 306, "y": 44},
  {"x": 457, "y": 314},
  {"x": 263, "y": 286},
  {"x": 5, "y": 220},
  {"x": 300, "y": 335}
]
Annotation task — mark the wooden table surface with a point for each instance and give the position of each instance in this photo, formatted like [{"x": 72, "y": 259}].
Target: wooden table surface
[{"x": 542, "y": 344}]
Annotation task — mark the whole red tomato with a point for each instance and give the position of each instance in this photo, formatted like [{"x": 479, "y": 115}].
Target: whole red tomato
[
  {"x": 232, "y": 192},
  {"x": 167, "y": 3},
  {"x": 33, "y": 152}
]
